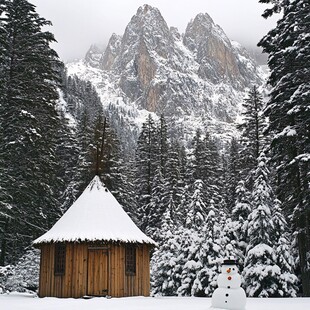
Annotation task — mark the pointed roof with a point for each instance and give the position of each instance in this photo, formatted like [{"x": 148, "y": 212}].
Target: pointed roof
[{"x": 95, "y": 215}]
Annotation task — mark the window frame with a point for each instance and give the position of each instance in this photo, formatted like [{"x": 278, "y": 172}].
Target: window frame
[
  {"x": 60, "y": 259},
  {"x": 130, "y": 260}
]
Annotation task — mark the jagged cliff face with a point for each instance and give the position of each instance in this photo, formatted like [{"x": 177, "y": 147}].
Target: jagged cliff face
[
  {"x": 111, "y": 52},
  {"x": 212, "y": 50},
  {"x": 199, "y": 77}
]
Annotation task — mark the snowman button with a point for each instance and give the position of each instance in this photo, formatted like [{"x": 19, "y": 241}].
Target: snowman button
[
  {"x": 227, "y": 295},
  {"x": 228, "y": 286}
]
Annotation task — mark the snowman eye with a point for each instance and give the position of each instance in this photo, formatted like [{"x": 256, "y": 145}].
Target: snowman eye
[{"x": 233, "y": 268}]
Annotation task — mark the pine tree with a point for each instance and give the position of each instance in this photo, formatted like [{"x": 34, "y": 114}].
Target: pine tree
[
  {"x": 189, "y": 260},
  {"x": 156, "y": 208},
  {"x": 196, "y": 210},
  {"x": 67, "y": 155},
  {"x": 284, "y": 254},
  {"x": 197, "y": 163},
  {"x": 261, "y": 272},
  {"x": 212, "y": 170},
  {"x": 163, "y": 144},
  {"x": 289, "y": 118},
  {"x": 240, "y": 214},
  {"x": 29, "y": 122},
  {"x": 232, "y": 173},
  {"x": 166, "y": 268},
  {"x": 84, "y": 136},
  {"x": 174, "y": 182},
  {"x": 251, "y": 132},
  {"x": 206, "y": 166},
  {"x": 209, "y": 255},
  {"x": 146, "y": 164}
]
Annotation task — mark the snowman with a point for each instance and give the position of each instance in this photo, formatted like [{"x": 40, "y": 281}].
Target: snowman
[{"x": 229, "y": 294}]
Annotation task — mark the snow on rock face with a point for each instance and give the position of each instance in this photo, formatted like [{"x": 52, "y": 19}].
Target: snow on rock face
[
  {"x": 95, "y": 215},
  {"x": 212, "y": 49},
  {"x": 198, "y": 80},
  {"x": 108, "y": 58}
]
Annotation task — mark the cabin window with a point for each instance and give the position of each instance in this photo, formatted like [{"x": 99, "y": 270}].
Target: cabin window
[
  {"x": 60, "y": 259},
  {"x": 130, "y": 260}
]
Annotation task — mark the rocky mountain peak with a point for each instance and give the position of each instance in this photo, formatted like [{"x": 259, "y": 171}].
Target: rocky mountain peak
[
  {"x": 213, "y": 51},
  {"x": 147, "y": 9},
  {"x": 93, "y": 55},
  {"x": 200, "y": 76},
  {"x": 201, "y": 28},
  {"x": 148, "y": 28},
  {"x": 147, "y": 41},
  {"x": 113, "y": 48}
]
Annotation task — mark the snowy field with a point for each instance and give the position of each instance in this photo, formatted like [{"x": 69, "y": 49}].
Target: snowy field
[{"x": 15, "y": 301}]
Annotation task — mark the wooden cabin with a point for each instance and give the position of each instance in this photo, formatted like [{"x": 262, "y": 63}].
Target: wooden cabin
[{"x": 94, "y": 249}]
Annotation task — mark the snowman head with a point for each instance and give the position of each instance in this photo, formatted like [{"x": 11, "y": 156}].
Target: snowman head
[{"x": 229, "y": 267}]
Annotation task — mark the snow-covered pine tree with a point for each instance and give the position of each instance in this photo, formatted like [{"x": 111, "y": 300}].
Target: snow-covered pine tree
[
  {"x": 282, "y": 241},
  {"x": 188, "y": 258},
  {"x": 84, "y": 136},
  {"x": 232, "y": 175},
  {"x": 196, "y": 209},
  {"x": 289, "y": 116},
  {"x": 205, "y": 165},
  {"x": 79, "y": 95},
  {"x": 240, "y": 212},
  {"x": 112, "y": 163},
  {"x": 146, "y": 162},
  {"x": 251, "y": 133},
  {"x": 29, "y": 124},
  {"x": 162, "y": 144},
  {"x": 212, "y": 170},
  {"x": 261, "y": 273},
  {"x": 24, "y": 276},
  {"x": 157, "y": 206},
  {"x": 166, "y": 266},
  {"x": 209, "y": 254},
  {"x": 197, "y": 160},
  {"x": 174, "y": 186}
]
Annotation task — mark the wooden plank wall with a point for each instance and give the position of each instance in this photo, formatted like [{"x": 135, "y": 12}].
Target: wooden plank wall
[{"x": 74, "y": 282}]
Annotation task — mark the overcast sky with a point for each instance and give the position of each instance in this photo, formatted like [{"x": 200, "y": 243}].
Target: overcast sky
[{"x": 79, "y": 23}]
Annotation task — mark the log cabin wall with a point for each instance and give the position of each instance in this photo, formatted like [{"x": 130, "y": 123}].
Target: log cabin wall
[{"x": 83, "y": 263}]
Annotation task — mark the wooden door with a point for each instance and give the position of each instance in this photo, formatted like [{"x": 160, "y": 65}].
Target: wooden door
[{"x": 98, "y": 272}]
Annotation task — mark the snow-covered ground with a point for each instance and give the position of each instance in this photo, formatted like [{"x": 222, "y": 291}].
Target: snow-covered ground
[{"x": 17, "y": 301}]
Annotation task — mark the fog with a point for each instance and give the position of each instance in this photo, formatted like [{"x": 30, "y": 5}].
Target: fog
[{"x": 79, "y": 23}]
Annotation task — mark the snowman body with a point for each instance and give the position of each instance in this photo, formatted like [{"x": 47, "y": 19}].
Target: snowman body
[{"x": 229, "y": 295}]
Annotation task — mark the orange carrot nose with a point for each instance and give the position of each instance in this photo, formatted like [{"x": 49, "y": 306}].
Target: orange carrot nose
[{"x": 228, "y": 270}]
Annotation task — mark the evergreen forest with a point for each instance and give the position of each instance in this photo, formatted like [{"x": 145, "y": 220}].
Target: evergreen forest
[{"x": 201, "y": 199}]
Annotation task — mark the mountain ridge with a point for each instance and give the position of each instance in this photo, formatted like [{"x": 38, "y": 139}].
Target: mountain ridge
[{"x": 197, "y": 79}]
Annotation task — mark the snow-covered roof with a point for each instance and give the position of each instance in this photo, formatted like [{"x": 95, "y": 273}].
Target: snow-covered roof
[{"x": 95, "y": 215}]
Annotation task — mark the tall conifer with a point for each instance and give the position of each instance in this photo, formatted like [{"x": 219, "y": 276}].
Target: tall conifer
[
  {"x": 29, "y": 78},
  {"x": 288, "y": 111}
]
